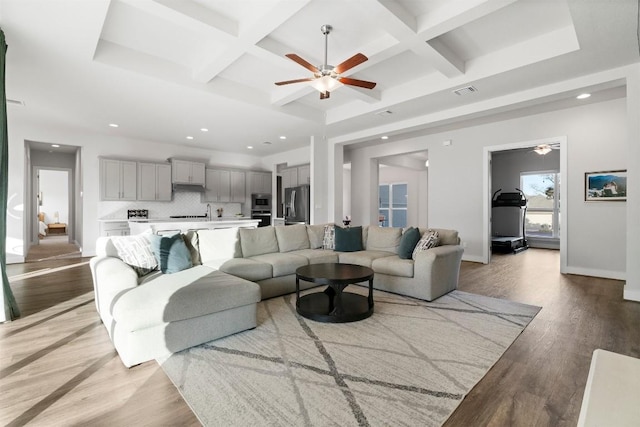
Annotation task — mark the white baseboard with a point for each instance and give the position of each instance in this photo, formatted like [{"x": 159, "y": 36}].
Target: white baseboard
[
  {"x": 605, "y": 274},
  {"x": 631, "y": 295},
  {"x": 473, "y": 258},
  {"x": 15, "y": 259}
]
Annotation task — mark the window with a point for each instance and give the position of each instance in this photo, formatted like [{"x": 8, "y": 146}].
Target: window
[
  {"x": 392, "y": 205},
  {"x": 542, "y": 190}
]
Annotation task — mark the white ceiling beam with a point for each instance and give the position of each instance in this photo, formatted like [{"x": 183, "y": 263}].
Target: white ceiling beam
[
  {"x": 455, "y": 14},
  {"x": 367, "y": 95},
  {"x": 201, "y": 14},
  {"x": 249, "y": 36}
]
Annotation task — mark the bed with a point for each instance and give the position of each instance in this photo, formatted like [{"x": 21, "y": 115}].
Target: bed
[{"x": 42, "y": 227}]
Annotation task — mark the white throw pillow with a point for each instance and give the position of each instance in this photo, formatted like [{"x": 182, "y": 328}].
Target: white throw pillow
[
  {"x": 136, "y": 252},
  {"x": 329, "y": 239},
  {"x": 428, "y": 240}
]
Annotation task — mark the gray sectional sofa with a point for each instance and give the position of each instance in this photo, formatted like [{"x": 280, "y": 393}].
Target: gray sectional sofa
[{"x": 233, "y": 269}]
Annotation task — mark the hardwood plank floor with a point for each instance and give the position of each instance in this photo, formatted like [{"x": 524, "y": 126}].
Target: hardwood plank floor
[{"x": 57, "y": 365}]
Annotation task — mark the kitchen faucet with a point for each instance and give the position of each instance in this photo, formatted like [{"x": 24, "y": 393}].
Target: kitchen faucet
[{"x": 208, "y": 211}]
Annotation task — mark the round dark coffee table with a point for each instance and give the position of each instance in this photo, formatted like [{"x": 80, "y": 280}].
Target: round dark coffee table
[{"x": 333, "y": 305}]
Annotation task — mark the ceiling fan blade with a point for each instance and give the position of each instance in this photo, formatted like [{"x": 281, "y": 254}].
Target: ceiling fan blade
[
  {"x": 305, "y": 64},
  {"x": 356, "y": 59},
  {"x": 355, "y": 82},
  {"x": 288, "y": 82},
  {"x": 325, "y": 95}
]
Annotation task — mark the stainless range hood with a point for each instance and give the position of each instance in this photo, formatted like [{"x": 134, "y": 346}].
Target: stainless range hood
[{"x": 185, "y": 188}]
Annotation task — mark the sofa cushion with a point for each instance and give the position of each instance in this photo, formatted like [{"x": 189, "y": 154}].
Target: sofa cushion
[
  {"x": 445, "y": 236},
  {"x": 384, "y": 239},
  {"x": 248, "y": 269},
  {"x": 283, "y": 264},
  {"x": 135, "y": 251},
  {"x": 318, "y": 256},
  {"x": 190, "y": 293},
  {"x": 408, "y": 242},
  {"x": 292, "y": 237},
  {"x": 393, "y": 266},
  {"x": 316, "y": 235},
  {"x": 219, "y": 245},
  {"x": 364, "y": 258},
  {"x": 348, "y": 239},
  {"x": 171, "y": 253},
  {"x": 258, "y": 241},
  {"x": 427, "y": 241}
]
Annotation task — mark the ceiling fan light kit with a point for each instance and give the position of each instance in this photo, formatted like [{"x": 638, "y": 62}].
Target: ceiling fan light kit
[
  {"x": 327, "y": 78},
  {"x": 543, "y": 149}
]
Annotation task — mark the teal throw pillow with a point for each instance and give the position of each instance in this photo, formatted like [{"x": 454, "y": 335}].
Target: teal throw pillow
[
  {"x": 171, "y": 252},
  {"x": 408, "y": 242},
  {"x": 348, "y": 239}
]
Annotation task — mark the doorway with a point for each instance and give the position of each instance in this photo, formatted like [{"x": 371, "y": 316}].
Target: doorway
[
  {"x": 52, "y": 215},
  {"x": 519, "y": 166}
]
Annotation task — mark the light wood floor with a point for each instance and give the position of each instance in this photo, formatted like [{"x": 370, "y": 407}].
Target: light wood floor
[{"x": 57, "y": 365}]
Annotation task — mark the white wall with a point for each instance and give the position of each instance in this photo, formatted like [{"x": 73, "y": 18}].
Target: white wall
[{"x": 596, "y": 135}]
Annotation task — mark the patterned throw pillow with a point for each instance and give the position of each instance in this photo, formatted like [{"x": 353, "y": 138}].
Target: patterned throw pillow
[
  {"x": 428, "y": 240},
  {"x": 329, "y": 239},
  {"x": 136, "y": 251}
]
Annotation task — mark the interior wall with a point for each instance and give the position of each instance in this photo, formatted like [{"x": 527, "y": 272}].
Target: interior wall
[
  {"x": 456, "y": 177},
  {"x": 506, "y": 167},
  {"x": 346, "y": 193}
]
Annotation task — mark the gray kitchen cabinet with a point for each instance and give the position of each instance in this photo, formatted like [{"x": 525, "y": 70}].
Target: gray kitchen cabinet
[
  {"x": 259, "y": 182},
  {"x": 290, "y": 178},
  {"x": 187, "y": 172},
  {"x": 217, "y": 186},
  {"x": 118, "y": 179},
  {"x": 114, "y": 228},
  {"x": 304, "y": 174},
  {"x": 154, "y": 182},
  {"x": 238, "y": 182}
]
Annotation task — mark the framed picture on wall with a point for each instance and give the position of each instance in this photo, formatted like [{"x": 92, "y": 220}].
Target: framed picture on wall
[{"x": 605, "y": 186}]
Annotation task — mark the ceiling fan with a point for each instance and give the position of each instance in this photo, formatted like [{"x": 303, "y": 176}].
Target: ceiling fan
[
  {"x": 543, "y": 149},
  {"x": 326, "y": 78}
]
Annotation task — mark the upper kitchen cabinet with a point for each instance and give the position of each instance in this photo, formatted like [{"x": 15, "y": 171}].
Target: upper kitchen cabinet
[
  {"x": 238, "y": 183},
  {"x": 217, "y": 186},
  {"x": 290, "y": 178},
  {"x": 304, "y": 174},
  {"x": 117, "y": 179},
  {"x": 224, "y": 186},
  {"x": 259, "y": 182},
  {"x": 186, "y": 172},
  {"x": 154, "y": 181}
]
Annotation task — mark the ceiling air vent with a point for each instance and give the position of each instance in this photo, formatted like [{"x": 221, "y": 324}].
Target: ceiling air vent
[
  {"x": 384, "y": 113},
  {"x": 465, "y": 90}
]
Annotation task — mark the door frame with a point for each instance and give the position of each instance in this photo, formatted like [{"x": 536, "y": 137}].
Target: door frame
[{"x": 486, "y": 192}]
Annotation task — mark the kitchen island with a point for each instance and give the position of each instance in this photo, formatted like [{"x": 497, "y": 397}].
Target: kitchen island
[{"x": 164, "y": 226}]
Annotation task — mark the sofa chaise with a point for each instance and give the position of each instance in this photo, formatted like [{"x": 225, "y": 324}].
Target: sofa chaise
[{"x": 233, "y": 269}]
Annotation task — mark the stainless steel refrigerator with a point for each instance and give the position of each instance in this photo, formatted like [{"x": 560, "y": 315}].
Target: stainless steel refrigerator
[{"x": 296, "y": 205}]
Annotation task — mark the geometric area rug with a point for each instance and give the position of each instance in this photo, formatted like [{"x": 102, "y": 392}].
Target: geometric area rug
[{"x": 411, "y": 363}]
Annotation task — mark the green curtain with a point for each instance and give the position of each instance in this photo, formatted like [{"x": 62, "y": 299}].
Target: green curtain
[{"x": 10, "y": 307}]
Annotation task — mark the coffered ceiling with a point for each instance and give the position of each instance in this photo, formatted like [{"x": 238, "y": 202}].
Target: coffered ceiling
[{"x": 164, "y": 69}]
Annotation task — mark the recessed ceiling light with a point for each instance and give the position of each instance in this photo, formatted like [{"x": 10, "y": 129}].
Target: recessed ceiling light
[
  {"x": 55, "y": 145},
  {"x": 204, "y": 129},
  {"x": 113, "y": 125},
  {"x": 249, "y": 147},
  {"x": 583, "y": 96},
  {"x": 384, "y": 137},
  {"x": 283, "y": 137},
  {"x": 189, "y": 137}
]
